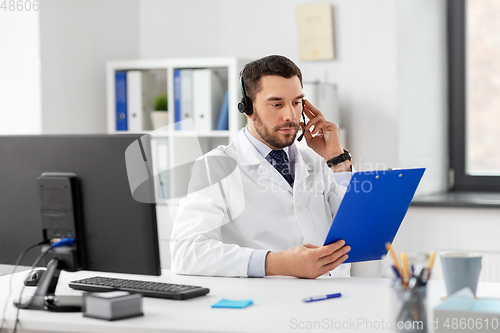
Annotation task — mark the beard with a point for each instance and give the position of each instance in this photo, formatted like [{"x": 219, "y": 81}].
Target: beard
[{"x": 272, "y": 136}]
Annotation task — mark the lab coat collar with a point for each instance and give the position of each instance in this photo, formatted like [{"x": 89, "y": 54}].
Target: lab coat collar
[
  {"x": 261, "y": 147},
  {"x": 249, "y": 156}
]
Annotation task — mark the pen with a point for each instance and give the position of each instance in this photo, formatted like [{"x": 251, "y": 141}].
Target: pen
[
  {"x": 396, "y": 272},
  {"x": 321, "y": 298}
]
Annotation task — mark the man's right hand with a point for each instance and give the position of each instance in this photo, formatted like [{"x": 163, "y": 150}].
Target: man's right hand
[{"x": 307, "y": 261}]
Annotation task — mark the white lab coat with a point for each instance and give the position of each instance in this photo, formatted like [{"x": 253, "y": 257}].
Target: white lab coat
[{"x": 266, "y": 213}]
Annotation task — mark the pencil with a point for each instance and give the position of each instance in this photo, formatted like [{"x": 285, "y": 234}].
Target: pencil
[
  {"x": 394, "y": 258},
  {"x": 406, "y": 270},
  {"x": 432, "y": 256}
]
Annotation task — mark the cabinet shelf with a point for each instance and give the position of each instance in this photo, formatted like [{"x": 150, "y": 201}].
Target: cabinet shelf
[{"x": 218, "y": 134}]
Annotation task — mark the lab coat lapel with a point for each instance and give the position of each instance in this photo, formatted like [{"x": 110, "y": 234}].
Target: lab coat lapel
[
  {"x": 302, "y": 170},
  {"x": 304, "y": 178},
  {"x": 268, "y": 172},
  {"x": 249, "y": 156}
]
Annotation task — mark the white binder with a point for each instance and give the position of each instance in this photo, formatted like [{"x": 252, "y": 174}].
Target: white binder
[
  {"x": 208, "y": 96},
  {"x": 139, "y": 89}
]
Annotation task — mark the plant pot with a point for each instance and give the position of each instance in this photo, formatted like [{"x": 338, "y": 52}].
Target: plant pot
[{"x": 159, "y": 119}]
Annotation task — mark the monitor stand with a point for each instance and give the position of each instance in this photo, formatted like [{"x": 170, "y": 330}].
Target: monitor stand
[{"x": 45, "y": 298}]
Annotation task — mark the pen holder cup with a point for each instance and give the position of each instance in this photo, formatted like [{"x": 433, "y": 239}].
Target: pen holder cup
[{"x": 412, "y": 316}]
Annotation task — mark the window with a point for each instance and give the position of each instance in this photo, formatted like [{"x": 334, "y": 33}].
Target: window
[{"x": 474, "y": 93}]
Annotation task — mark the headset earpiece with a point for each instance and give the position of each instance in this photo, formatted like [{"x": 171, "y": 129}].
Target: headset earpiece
[
  {"x": 241, "y": 105},
  {"x": 245, "y": 105}
]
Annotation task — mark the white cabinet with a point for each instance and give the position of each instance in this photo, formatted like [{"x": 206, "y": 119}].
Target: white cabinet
[
  {"x": 161, "y": 73},
  {"x": 147, "y": 78}
]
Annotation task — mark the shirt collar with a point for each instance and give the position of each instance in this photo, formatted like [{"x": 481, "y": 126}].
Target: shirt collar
[{"x": 261, "y": 147}]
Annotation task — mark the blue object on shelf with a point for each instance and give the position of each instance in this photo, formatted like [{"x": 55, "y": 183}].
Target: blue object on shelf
[
  {"x": 121, "y": 100},
  {"x": 177, "y": 99},
  {"x": 222, "y": 123}
]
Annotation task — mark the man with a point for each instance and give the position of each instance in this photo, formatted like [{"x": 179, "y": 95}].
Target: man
[{"x": 277, "y": 221}]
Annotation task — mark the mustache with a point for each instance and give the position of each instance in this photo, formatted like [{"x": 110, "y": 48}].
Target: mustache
[{"x": 288, "y": 124}]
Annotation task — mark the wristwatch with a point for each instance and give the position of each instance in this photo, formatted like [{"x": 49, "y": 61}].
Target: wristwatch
[{"x": 345, "y": 156}]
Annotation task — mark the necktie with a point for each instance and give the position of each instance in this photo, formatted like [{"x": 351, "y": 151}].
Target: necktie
[{"x": 279, "y": 156}]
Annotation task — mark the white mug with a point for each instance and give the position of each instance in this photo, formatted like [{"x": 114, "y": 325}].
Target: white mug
[{"x": 460, "y": 270}]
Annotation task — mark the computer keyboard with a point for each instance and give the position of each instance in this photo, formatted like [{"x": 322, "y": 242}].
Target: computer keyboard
[{"x": 147, "y": 289}]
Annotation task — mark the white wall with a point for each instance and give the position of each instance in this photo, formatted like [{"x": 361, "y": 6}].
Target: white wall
[
  {"x": 365, "y": 68},
  {"x": 436, "y": 228},
  {"x": 20, "y": 92},
  {"x": 77, "y": 38}
]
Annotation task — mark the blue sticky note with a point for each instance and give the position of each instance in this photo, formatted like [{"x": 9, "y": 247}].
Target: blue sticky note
[{"x": 225, "y": 303}]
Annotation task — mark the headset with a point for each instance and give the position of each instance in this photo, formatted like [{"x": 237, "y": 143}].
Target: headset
[{"x": 246, "y": 106}]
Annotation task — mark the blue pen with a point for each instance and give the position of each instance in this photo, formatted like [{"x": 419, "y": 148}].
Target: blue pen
[
  {"x": 396, "y": 272},
  {"x": 321, "y": 298}
]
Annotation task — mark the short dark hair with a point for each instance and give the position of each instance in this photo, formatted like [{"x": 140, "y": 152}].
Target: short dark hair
[{"x": 271, "y": 65}]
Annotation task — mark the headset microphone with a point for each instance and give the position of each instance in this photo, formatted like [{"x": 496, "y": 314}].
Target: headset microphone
[{"x": 304, "y": 118}]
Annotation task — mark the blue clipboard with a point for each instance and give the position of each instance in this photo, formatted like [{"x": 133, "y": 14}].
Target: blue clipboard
[{"x": 372, "y": 210}]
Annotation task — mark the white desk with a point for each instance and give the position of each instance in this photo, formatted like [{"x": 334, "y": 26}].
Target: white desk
[{"x": 278, "y": 306}]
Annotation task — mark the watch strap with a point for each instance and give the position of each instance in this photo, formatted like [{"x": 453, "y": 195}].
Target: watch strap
[{"x": 345, "y": 156}]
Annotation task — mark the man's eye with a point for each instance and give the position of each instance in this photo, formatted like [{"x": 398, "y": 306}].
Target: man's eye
[
  {"x": 276, "y": 105},
  {"x": 296, "y": 103}
]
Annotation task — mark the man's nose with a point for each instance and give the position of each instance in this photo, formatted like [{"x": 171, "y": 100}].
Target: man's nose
[{"x": 289, "y": 113}]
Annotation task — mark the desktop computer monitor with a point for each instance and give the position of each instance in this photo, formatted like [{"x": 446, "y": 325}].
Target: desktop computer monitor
[{"x": 118, "y": 233}]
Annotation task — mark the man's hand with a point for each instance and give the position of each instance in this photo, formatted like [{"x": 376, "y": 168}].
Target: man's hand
[
  {"x": 307, "y": 261},
  {"x": 327, "y": 142}
]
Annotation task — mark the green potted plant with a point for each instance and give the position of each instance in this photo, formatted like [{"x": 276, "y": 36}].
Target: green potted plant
[{"x": 159, "y": 116}]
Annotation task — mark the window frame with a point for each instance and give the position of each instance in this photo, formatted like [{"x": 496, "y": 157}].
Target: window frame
[{"x": 457, "y": 85}]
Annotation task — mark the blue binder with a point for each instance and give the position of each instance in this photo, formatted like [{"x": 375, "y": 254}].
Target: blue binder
[
  {"x": 222, "y": 123},
  {"x": 121, "y": 100},
  {"x": 177, "y": 99},
  {"x": 372, "y": 211}
]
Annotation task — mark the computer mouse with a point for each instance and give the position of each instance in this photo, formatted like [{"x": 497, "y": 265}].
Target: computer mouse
[{"x": 34, "y": 276}]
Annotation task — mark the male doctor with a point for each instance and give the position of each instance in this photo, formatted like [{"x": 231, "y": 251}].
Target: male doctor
[{"x": 276, "y": 220}]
